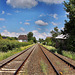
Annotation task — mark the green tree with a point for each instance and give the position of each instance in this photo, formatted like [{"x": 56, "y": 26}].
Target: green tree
[
  {"x": 41, "y": 40},
  {"x": 34, "y": 39},
  {"x": 30, "y": 36},
  {"x": 69, "y": 28},
  {"x": 0, "y": 36},
  {"x": 55, "y": 32},
  {"x": 48, "y": 41}
]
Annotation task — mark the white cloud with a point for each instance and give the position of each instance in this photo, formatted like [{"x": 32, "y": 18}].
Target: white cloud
[
  {"x": 12, "y": 34},
  {"x": 40, "y": 35},
  {"x": 26, "y": 23},
  {"x": 17, "y": 11},
  {"x": 22, "y": 3},
  {"x": 22, "y": 29},
  {"x": 54, "y": 23},
  {"x": 3, "y": 12},
  {"x": 52, "y": 1},
  {"x": 20, "y": 22},
  {"x": 4, "y": 26},
  {"x": 2, "y": 19},
  {"x": 54, "y": 16},
  {"x": 39, "y": 28},
  {"x": 9, "y": 14},
  {"x": 42, "y": 15},
  {"x": 28, "y": 20},
  {"x": 40, "y": 22}
]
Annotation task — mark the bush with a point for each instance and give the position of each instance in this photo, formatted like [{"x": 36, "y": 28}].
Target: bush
[{"x": 6, "y": 44}]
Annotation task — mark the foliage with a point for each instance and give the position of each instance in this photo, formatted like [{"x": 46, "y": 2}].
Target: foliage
[
  {"x": 69, "y": 54},
  {"x": 55, "y": 32},
  {"x": 4, "y": 55},
  {"x": 69, "y": 29},
  {"x": 6, "y": 44},
  {"x": 48, "y": 41},
  {"x": 0, "y": 36},
  {"x": 30, "y": 35},
  {"x": 41, "y": 40},
  {"x": 34, "y": 39}
]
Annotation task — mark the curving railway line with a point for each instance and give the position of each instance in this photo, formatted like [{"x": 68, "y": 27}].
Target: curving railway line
[{"x": 30, "y": 59}]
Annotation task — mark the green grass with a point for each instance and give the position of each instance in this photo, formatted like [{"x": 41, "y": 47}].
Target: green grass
[
  {"x": 68, "y": 54},
  {"x": 4, "y": 55},
  {"x": 43, "y": 67},
  {"x": 52, "y": 49}
]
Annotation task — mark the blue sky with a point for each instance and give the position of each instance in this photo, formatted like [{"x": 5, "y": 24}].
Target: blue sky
[{"x": 38, "y": 16}]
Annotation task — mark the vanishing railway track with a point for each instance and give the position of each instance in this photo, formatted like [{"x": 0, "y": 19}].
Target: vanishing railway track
[
  {"x": 61, "y": 66},
  {"x": 13, "y": 66}
]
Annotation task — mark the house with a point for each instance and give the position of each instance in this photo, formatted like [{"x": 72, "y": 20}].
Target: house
[
  {"x": 60, "y": 41},
  {"x": 22, "y": 38}
]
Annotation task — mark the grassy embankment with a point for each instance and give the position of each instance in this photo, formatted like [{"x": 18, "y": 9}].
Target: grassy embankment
[
  {"x": 4, "y": 55},
  {"x": 64, "y": 53}
]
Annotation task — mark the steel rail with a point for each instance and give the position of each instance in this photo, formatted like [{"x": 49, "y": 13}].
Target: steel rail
[
  {"x": 23, "y": 63},
  {"x": 50, "y": 62},
  {"x": 60, "y": 58},
  {"x": 14, "y": 57}
]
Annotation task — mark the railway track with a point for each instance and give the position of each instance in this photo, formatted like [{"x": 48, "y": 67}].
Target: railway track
[
  {"x": 61, "y": 66},
  {"x": 13, "y": 66},
  {"x": 56, "y": 65}
]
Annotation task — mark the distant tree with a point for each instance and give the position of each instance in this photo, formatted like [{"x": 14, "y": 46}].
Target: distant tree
[
  {"x": 55, "y": 32},
  {"x": 30, "y": 36},
  {"x": 41, "y": 40},
  {"x": 34, "y": 39},
  {"x": 0, "y": 36},
  {"x": 69, "y": 29},
  {"x": 48, "y": 41}
]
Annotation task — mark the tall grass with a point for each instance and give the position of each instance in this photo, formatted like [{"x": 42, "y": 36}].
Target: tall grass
[
  {"x": 68, "y": 54},
  {"x": 4, "y": 55}
]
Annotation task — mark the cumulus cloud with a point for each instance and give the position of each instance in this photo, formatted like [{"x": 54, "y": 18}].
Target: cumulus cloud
[
  {"x": 20, "y": 22},
  {"x": 52, "y": 1},
  {"x": 2, "y": 19},
  {"x": 28, "y": 20},
  {"x": 9, "y": 14},
  {"x": 54, "y": 16},
  {"x": 3, "y": 12},
  {"x": 22, "y": 3},
  {"x": 40, "y": 22},
  {"x": 26, "y": 23},
  {"x": 40, "y": 35},
  {"x": 39, "y": 28},
  {"x": 12, "y": 34},
  {"x": 22, "y": 29},
  {"x": 54, "y": 24}
]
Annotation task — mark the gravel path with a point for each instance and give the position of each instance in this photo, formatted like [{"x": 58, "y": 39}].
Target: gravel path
[
  {"x": 59, "y": 64},
  {"x": 33, "y": 65}
]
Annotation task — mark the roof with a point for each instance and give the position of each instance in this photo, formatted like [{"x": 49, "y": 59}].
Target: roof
[
  {"x": 60, "y": 37},
  {"x": 22, "y": 37}
]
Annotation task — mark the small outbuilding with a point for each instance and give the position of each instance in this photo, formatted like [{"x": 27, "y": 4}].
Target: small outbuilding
[{"x": 22, "y": 38}]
